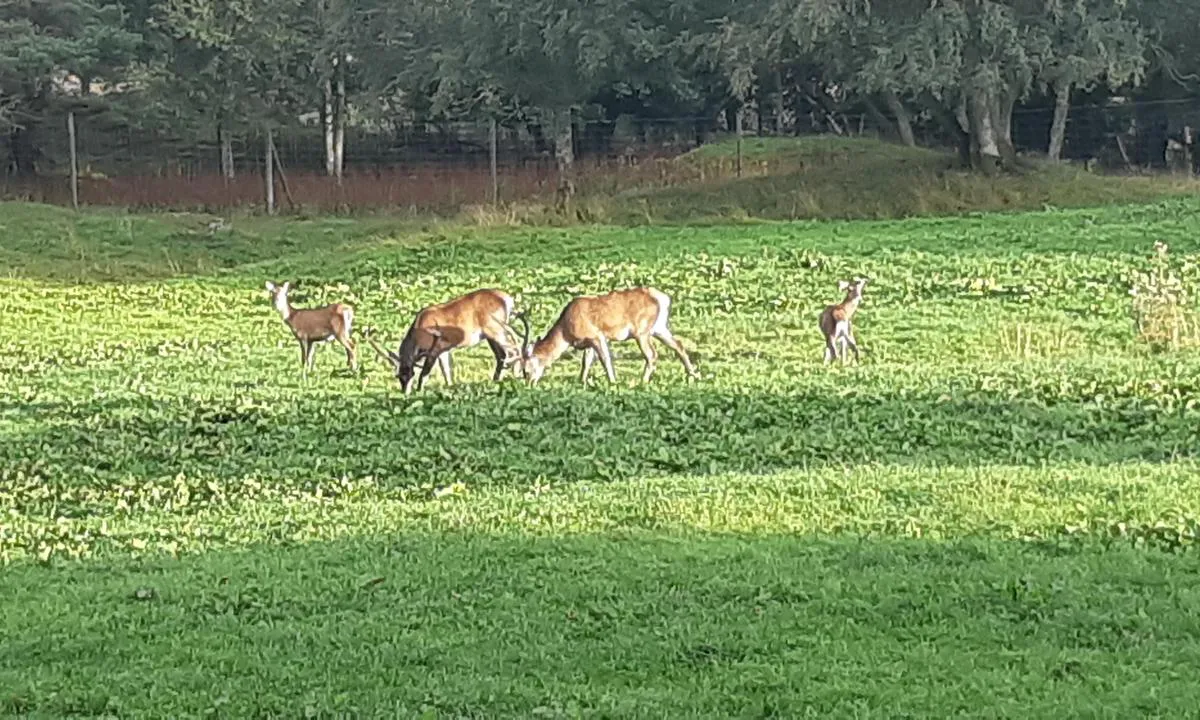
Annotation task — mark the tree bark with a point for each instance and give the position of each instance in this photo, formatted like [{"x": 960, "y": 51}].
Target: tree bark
[
  {"x": 339, "y": 120},
  {"x": 1004, "y": 100},
  {"x": 226, "y": 143},
  {"x": 562, "y": 131},
  {"x": 327, "y": 125},
  {"x": 903, "y": 120},
  {"x": 1058, "y": 128},
  {"x": 985, "y": 146},
  {"x": 269, "y": 171}
]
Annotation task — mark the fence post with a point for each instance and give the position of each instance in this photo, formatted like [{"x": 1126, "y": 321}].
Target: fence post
[
  {"x": 492, "y": 152},
  {"x": 269, "y": 171},
  {"x": 738, "y": 124},
  {"x": 74, "y": 161}
]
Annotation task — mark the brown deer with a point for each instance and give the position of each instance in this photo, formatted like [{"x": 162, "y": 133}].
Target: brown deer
[
  {"x": 311, "y": 326},
  {"x": 590, "y": 323},
  {"x": 835, "y": 321},
  {"x": 463, "y": 322}
]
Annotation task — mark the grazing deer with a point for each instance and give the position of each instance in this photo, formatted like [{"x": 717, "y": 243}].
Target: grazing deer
[
  {"x": 835, "y": 321},
  {"x": 590, "y": 323},
  {"x": 463, "y": 322},
  {"x": 315, "y": 325}
]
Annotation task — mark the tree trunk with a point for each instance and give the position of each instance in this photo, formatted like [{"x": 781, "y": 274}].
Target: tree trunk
[
  {"x": 985, "y": 155},
  {"x": 1004, "y": 100},
  {"x": 903, "y": 120},
  {"x": 561, "y": 130},
  {"x": 269, "y": 171},
  {"x": 327, "y": 126},
  {"x": 1058, "y": 128},
  {"x": 226, "y": 142},
  {"x": 339, "y": 120},
  {"x": 959, "y": 126},
  {"x": 730, "y": 112},
  {"x": 879, "y": 121},
  {"x": 22, "y": 152}
]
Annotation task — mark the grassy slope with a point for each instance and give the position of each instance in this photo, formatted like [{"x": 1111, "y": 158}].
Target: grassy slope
[
  {"x": 859, "y": 178},
  {"x": 966, "y": 521}
]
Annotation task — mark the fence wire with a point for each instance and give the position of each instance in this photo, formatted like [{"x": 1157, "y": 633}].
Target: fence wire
[{"x": 446, "y": 165}]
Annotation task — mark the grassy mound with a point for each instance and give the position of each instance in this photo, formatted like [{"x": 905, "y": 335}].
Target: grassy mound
[
  {"x": 853, "y": 178},
  {"x": 998, "y": 508}
]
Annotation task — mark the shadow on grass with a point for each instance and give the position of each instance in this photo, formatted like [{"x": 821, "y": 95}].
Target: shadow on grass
[
  {"x": 470, "y": 625},
  {"x": 510, "y": 435}
]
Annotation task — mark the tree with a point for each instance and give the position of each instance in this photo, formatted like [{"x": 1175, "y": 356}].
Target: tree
[
  {"x": 239, "y": 65},
  {"x": 45, "y": 48},
  {"x": 544, "y": 58},
  {"x": 1090, "y": 41}
]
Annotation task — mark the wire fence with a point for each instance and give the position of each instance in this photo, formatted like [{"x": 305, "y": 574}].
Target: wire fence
[{"x": 432, "y": 166}]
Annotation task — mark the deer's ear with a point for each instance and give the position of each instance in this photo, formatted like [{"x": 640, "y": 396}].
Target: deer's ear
[
  {"x": 843, "y": 285},
  {"x": 270, "y": 286},
  {"x": 287, "y": 286}
]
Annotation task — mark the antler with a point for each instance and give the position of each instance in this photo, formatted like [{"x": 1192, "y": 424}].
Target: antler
[
  {"x": 509, "y": 329},
  {"x": 369, "y": 334},
  {"x": 524, "y": 321}
]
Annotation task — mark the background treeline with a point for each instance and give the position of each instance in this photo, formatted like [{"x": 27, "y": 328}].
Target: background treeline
[{"x": 169, "y": 78}]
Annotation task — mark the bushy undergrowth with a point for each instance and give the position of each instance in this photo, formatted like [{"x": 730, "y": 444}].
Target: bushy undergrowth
[{"x": 819, "y": 178}]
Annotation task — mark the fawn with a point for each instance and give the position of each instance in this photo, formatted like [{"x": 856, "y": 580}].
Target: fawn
[
  {"x": 314, "y": 325},
  {"x": 835, "y": 321}
]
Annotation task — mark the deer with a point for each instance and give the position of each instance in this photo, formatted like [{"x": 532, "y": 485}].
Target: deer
[
  {"x": 462, "y": 322},
  {"x": 835, "y": 321},
  {"x": 591, "y": 322},
  {"x": 311, "y": 326}
]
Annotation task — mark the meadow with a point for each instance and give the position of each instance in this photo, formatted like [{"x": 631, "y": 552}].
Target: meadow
[{"x": 995, "y": 514}]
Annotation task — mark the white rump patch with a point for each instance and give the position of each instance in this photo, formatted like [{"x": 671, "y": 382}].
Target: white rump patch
[{"x": 664, "y": 312}]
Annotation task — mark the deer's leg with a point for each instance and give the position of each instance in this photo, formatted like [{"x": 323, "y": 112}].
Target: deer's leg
[
  {"x": 605, "y": 354},
  {"x": 839, "y": 341},
  {"x": 589, "y": 356},
  {"x": 648, "y": 352},
  {"x": 444, "y": 364},
  {"x": 853, "y": 344},
  {"x": 501, "y": 356},
  {"x": 426, "y": 368},
  {"x": 669, "y": 340},
  {"x": 830, "y": 350},
  {"x": 310, "y": 355},
  {"x": 351, "y": 355}
]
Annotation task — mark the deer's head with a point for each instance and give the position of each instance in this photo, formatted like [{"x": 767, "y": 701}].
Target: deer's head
[
  {"x": 279, "y": 295},
  {"x": 852, "y": 288}
]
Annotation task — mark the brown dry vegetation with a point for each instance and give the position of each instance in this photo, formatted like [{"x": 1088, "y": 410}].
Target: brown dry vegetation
[{"x": 776, "y": 179}]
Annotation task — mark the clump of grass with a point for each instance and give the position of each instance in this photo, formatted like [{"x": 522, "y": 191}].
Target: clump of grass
[
  {"x": 1161, "y": 303},
  {"x": 497, "y": 215},
  {"x": 1028, "y": 340}
]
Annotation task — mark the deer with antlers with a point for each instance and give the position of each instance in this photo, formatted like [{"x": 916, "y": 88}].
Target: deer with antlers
[
  {"x": 835, "y": 321},
  {"x": 591, "y": 323},
  {"x": 462, "y": 322},
  {"x": 311, "y": 326}
]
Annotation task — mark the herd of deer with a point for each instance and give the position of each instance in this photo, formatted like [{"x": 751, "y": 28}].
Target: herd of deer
[{"x": 587, "y": 323}]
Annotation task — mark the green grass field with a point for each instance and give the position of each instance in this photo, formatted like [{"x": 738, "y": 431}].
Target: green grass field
[{"x": 994, "y": 515}]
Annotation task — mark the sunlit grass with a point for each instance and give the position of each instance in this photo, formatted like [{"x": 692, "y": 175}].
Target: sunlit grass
[{"x": 997, "y": 508}]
